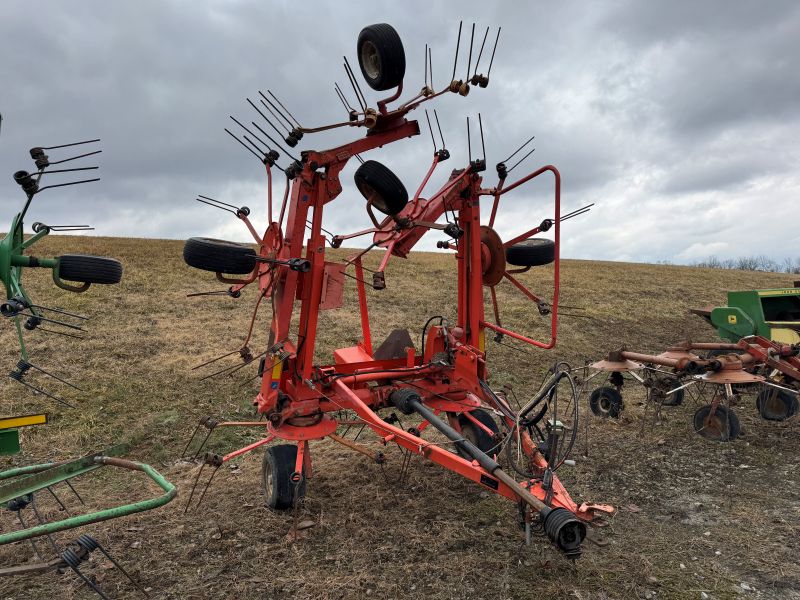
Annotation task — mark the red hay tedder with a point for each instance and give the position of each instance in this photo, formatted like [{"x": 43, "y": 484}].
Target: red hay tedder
[
  {"x": 445, "y": 381},
  {"x": 753, "y": 365}
]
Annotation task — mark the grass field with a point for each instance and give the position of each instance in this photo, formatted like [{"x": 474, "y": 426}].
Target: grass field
[{"x": 694, "y": 517}]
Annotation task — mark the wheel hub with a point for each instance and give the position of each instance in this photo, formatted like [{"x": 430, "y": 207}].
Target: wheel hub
[
  {"x": 774, "y": 406},
  {"x": 714, "y": 426},
  {"x": 471, "y": 437},
  {"x": 370, "y": 60},
  {"x": 268, "y": 477},
  {"x": 716, "y": 422},
  {"x": 659, "y": 388},
  {"x": 493, "y": 256}
]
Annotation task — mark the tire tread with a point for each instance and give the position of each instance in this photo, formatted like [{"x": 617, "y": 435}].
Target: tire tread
[
  {"x": 219, "y": 256},
  {"x": 85, "y": 268}
]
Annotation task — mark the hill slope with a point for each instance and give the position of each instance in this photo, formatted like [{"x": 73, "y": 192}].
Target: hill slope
[{"x": 694, "y": 516}]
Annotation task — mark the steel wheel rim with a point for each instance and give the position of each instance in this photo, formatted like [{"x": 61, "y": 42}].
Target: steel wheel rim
[
  {"x": 370, "y": 60},
  {"x": 714, "y": 427},
  {"x": 658, "y": 393},
  {"x": 373, "y": 197},
  {"x": 774, "y": 407},
  {"x": 268, "y": 481},
  {"x": 470, "y": 435}
]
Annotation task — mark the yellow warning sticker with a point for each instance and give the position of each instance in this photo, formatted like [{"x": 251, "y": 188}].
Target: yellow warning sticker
[
  {"x": 276, "y": 375},
  {"x": 732, "y": 319},
  {"x": 25, "y": 421}
]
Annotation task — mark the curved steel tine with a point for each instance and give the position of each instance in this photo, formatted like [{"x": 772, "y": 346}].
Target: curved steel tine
[{"x": 135, "y": 583}]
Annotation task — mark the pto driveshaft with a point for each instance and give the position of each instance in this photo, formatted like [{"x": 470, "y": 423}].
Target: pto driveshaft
[{"x": 563, "y": 529}]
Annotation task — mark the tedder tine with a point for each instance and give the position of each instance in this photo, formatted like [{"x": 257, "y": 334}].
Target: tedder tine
[{"x": 209, "y": 423}]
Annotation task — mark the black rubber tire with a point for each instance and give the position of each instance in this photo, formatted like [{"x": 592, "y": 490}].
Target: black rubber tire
[
  {"x": 280, "y": 491},
  {"x": 478, "y": 436},
  {"x": 533, "y": 252},
  {"x": 381, "y": 56},
  {"x": 89, "y": 269},
  {"x": 675, "y": 399},
  {"x": 219, "y": 256},
  {"x": 786, "y": 404},
  {"x": 606, "y": 402},
  {"x": 727, "y": 426},
  {"x": 388, "y": 193}
]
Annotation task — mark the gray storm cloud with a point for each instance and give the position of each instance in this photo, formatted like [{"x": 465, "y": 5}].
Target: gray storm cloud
[{"x": 679, "y": 120}]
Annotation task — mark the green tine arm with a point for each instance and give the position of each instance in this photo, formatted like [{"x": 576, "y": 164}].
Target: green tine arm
[
  {"x": 111, "y": 513},
  {"x": 42, "y": 476}
]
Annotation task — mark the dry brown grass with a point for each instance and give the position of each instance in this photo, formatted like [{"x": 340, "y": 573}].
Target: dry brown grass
[{"x": 438, "y": 536}]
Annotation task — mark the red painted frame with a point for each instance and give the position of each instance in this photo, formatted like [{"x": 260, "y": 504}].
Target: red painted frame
[{"x": 298, "y": 397}]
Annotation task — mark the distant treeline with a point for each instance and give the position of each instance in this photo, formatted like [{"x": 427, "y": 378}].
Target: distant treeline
[{"x": 752, "y": 263}]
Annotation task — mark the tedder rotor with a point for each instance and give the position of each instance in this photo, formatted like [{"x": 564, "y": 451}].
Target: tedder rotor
[
  {"x": 444, "y": 381},
  {"x": 730, "y": 369}
]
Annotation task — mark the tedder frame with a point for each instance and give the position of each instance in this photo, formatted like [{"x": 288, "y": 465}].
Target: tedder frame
[{"x": 445, "y": 381}]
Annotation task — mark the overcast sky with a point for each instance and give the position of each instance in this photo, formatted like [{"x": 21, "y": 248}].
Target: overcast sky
[{"x": 679, "y": 119}]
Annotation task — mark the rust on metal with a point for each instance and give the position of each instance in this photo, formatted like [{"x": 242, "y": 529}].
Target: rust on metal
[{"x": 616, "y": 362}]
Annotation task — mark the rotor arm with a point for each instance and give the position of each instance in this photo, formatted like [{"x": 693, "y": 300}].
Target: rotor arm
[
  {"x": 418, "y": 218},
  {"x": 389, "y": 225}
]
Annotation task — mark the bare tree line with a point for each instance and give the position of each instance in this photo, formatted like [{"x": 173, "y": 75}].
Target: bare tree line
[{"x": 752, "y": 263}]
